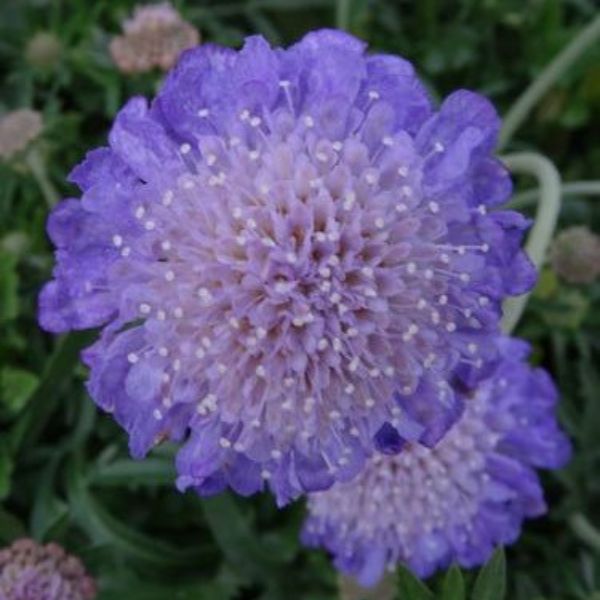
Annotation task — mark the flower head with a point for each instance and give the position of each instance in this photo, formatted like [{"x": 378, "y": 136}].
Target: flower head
[
  {"x": 29, "y": 571},
  {"x": 153, "y": 38},
  {"x": 17, "y": 130},
  {"x": 575, "y": 255},
  {"x": 44, "y": 51},
  {"x": 455, "y": 502},
  {"x": 288, "y": 250}
]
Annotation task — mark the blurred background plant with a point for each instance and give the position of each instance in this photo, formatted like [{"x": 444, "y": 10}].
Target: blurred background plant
[{"x": 65, "y": 474}]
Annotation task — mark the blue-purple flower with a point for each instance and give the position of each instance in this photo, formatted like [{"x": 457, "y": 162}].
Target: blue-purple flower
[
  {"x": 429, "y": 507},
  {"x": 289, "y": 252},
  {"x": 29, "y": 571}
]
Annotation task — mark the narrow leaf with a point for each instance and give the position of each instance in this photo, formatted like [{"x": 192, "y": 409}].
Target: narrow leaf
[
  {"x": 6, "y": 469},
  {"x": 9, "y": 299},
  {"x": 57, "y": 373},
  {"x": 102, "y": 527},
  {"x": 48, "y": 509},
  {"x": 453, "y": 586},
  {"x": 411, "y": 587},
  {"x": 150, "y": 471},
  {"x": 239, "y": 543},
  {"x": 491, "y": 581}
]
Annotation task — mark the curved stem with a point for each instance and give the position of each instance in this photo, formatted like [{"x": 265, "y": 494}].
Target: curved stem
[
  {"x": 36, "y": 165},
  {"x": 342, "y": 14},
  {"x": 573, "y": 188},
  {"x": 544, "y": 81},
  {"x": 545, "y": 220}
]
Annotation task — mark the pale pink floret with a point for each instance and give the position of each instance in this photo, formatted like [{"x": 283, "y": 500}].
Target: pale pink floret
[{"x": 154, "y": 37}]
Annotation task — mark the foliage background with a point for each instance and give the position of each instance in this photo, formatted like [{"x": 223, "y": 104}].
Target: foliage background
[{"x": 65, "y": 474}]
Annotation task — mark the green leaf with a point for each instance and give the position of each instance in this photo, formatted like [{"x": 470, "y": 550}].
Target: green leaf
[
  {"x": 56, "y": 375},
  {"x": 48, "y": 509},
  {"x": 150, "y": 471},
  {"x": 104, "y": 528},
  {"x": 453, "y": 586},
  {"x": 133, "y": 590},
  {"x": 491, "y": 581},
  {"x": 239, "y": 543},
  {"x": 411, "y": 587},
  {"x": 9, "y": 283},
  {"x": 16, "y": 387},
  {"x": 6, "y": 469}
]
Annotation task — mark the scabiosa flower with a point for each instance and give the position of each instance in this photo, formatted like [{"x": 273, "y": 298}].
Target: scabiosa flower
[
  {"x": 575, "y": 255},
  {"x": 17, "y": 130},
  {"x": 153, "y": 38},
  {"x": 428, "y": 507},
  {"x": 29, "y": 571},
  {"x": 287, "y": 250}
]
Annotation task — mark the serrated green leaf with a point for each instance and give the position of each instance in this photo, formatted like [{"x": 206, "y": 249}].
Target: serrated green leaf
[
  {"x": 103, "y": 527},
  {"x": 411, "y": 587},
  {"x": 491, "y": 581},
  {"x": 453, "y": 586}
]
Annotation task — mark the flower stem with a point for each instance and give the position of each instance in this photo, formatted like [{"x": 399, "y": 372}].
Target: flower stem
[
  {"x": 573, "y": 188},
  {"x": 342, "y": 14},
  {"x": 545, "y": 220},
  {"x": 36, "y": 165},
  {"x": 546, "y": 79},
  {"x": 585, "y": 531},
  {"x": 384, "y": 590}
]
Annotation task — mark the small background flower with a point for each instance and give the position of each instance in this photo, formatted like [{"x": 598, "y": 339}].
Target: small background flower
[
  {"x": 17, "y": 130},
  {"x": 44, "y": 51},
  {"x": 575, "y": 255},
  {"x": 30, "y": 571},
  {"x": 153, "y": 38}
]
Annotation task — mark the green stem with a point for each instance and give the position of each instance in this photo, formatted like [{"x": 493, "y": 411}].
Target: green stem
[
  {"x": 545, "y": 220},
  {"x": 546, "y": 79},
  {"x": 574, "y": 188},
  {"x": 36, "y": 165},
  {"x": 342, "y": 14},
  {"x": 585, "y": 531}
]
